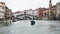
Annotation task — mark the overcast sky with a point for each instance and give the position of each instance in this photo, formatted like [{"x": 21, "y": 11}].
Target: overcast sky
[{"x": 19, "y": 5}]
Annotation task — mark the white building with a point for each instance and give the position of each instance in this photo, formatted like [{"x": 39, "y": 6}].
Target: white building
[
  {"x": 31, "y": 12},
  {"x": 58, "y": 9},
  {"x": 17, "y": 13},
  {"x": 2, "y": 9},
  {"x": 1, "y": 12}
]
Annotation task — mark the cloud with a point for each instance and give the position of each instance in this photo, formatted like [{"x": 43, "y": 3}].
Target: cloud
[{"x": 16, "y": 5}]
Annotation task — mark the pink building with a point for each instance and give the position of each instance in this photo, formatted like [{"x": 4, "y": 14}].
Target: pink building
[{"x": 41, "y": 12}]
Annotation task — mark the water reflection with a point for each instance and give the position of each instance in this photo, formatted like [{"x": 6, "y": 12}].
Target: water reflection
[{"x": 5, "y": 24}]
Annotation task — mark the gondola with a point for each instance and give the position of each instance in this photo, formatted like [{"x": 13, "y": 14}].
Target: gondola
[{"x": 32, "y": 22}]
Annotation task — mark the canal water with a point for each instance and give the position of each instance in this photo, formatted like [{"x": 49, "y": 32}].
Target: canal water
[{"x": 25, "y": 27}]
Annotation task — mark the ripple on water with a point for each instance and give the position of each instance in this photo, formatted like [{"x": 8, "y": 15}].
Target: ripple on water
[{"x": 40, "y": 27}]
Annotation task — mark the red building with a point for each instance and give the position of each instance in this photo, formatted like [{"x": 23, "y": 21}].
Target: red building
[{"x": 40, "y": 12}]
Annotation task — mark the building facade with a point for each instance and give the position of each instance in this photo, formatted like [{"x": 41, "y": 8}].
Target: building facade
[
  {"x": 8, "y": 13},
  {"x": 58, "y": 9},
  {"x": 31, "y": 12},
  {"x": 54, "y": 9},
  {"x": 5, "y": 12},
  {"x": 2, "y": 9},
  {"x": 51, "y": 11},
  {"x": 41, "y": 13}
]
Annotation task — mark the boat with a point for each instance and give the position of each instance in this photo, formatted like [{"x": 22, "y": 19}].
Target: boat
[{"x": 32, "y": 22}]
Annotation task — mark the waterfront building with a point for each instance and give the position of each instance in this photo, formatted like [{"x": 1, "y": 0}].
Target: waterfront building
[
  {"x": 58, "y": 9},
  {"x": 54, "y": 9},
  {"x": 2, "y": 10},
  {"x": 8, "y": 13},
  {"x": 5, "y": 12},
  {"x": 50, "y": 10},
  {"x": 2, "y": 4},
  {"x": 32, "y": 13},
  {"x": 17, "y": 14},
  {"x": 47, "y": 12},
  {"x": 41, "y": 13}
]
